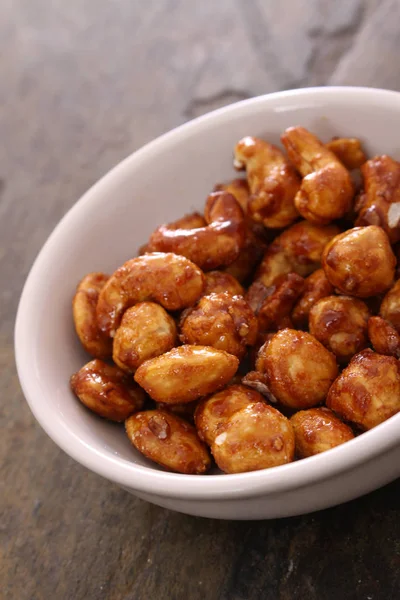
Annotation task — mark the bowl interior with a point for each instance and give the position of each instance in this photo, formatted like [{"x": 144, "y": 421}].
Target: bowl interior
[{"x": 161, "y": 182}]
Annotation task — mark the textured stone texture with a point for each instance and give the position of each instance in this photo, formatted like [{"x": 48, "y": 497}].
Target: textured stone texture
[{"x": 84, "y": 83}]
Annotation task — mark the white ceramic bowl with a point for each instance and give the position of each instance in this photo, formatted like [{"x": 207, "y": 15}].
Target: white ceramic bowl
[{"x": 160, "y": 182}]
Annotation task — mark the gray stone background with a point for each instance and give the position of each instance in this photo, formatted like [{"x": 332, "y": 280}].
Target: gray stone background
[{"x": 83, "y": 84}]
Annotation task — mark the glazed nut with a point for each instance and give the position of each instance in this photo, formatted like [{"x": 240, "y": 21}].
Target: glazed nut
[
  {"x": 390, "y": 307},
  {"x": 186, "y": 373},
  {"x": 217, "y": 282},
  {"x": 169, "y": 441},
  {"x": 317, "y": 430},
  {"x": 298, "y": 368},
  {"x": 170, "y": 280},
  {"x": 220, "y": 320},
  {"x": 340, "y": 324},
  {"x": 367, "y": 392},
  {"x": 213, "y": 412},
  {"x": 213, "y": 245},
  {"x": 360, "y": 262},
  {"x": 146, "y": 331},
  {"x": 277, "y": 307},
  {"x": 94, "y": 341},
  {"x": 253, "y": 438},
  {"x": 327, "y": 190},
  {"x": 272, "y": 181},
  {"x": 384, "y": 337},
  {"x": 238, "y": 188},
  {"x": 349, "y": 151},
  {"x": 107, "y": 391},
  {"x": 316, "y": 287}
]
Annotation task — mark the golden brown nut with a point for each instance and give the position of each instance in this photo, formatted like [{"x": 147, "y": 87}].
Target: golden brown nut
[
  {"x": 272, "y": 181},
  {"x": 107, "y": 390},
  {"x": 368, "y": 391},
  {"x": 299, "y": 369},
  {"x": 220, "y": 281},
  {"x": 277, "y": 307},
  {"x": 184, "y": 411},
  {"x": 146, "y": 331},
  {"x": 348, "y": 151},
  {"x": 213, "y": 412},
  {"x": 84, "y": 312},
  {"x": 360, "y": 262},
  {"x": 316, "y": 286},
  {"x": 326, "y": 191},
  {"x": 384, "y": 337},
  {"x": 221, "y": 320},
  {"x": 390, "y": 307},
  {"x": 317, "y": 430},
  {"x": 296, "y": 250},
  {"x": 211, "y": 246},
  {"x": 238, "y": 188},
  {"x": 169, "y": 441},
  {"x": 249, "y": 258},
  {"x": 256, "y": 437},
  {"x": 380, "y": 202},
  {"x": 186, "y": 373},
  {"x": 172, "y": 281},
  {"x": 340, "y": 324}
]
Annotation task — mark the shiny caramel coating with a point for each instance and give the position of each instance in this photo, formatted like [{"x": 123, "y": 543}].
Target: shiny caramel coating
[
  {"x": 360, "y": 262},
  {"x": 272, "y": 181},
  {"x": 213, "y": 412},
  {"x": 146, "y": 331},
  {"x": 217, "y": 282},
  {"x": 299, "y": 369},
  {"x": 340, "y": 323},
  {"x": 390, "y": 307},
  {"x": 253, "y": 438},
  {"x": 296, "y": 250},
  {"x": 317, "y": 430},
  {"x": 107, "y": 391},
  {"x": 222, "y": 321},
  {"x": 184, "y": 411},
  {"x": 327, "y": 191},
  {"x": 316, "y": 286},
  {"x": 277, "y": 307},
  {"x": 368, "y": 390},
  {"x": 211, "y": 246},
  {"x": 170, "y": 280},
  {"x": 238, "y": 188},
  {"x": 384, "y": 337},
  {"x": 168, "y": 441},
  {"x": 349, "y": 151},
  {"x": 186, "y": 373},
  {"x": 379, "y": 204},
  {"x": 84, "y": 305}
]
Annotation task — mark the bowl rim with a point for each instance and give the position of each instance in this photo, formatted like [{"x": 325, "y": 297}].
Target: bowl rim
[{"x": 174, "y": 485}]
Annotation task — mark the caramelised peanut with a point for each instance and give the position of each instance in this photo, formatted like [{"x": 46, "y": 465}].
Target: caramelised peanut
[
  {"x": 107, "y": 390},
  {"x": 172, "y": 281},
  {"x": 360, "y": 262},
  {"x": 217, "y": 282},
  {"x": 213, "y": 412},
  {"x": 317, "y": 430},
  {"x": 390, "y": 307},
  {"x": 169, "y": 441},
  {"x": 348, "y": 151},
  {"x": 368, "y": 391},
  {"x": 184, "y": 411},
  {"x": 316, "y": 286},
  {"x": 379, "y": 204},
  {"x": 384, "y": 337},
  {"x": 253, "y": 438},
  {"x": 327, "y": 191},
  {"x": 340, "y": 324},
  {"x": 221, "y": 320},
  {"x": 146, "y": 331},
  {"x": 276, "y": 308},
  {"x": 272, "y": 181},
  {"x": 84, "y": 312},
  {"x": 296, "y": 250},
  {"x": 299, "y": 369},
  {"x": 186, "y": 373},
  {"x": 216, "y": 244}
]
